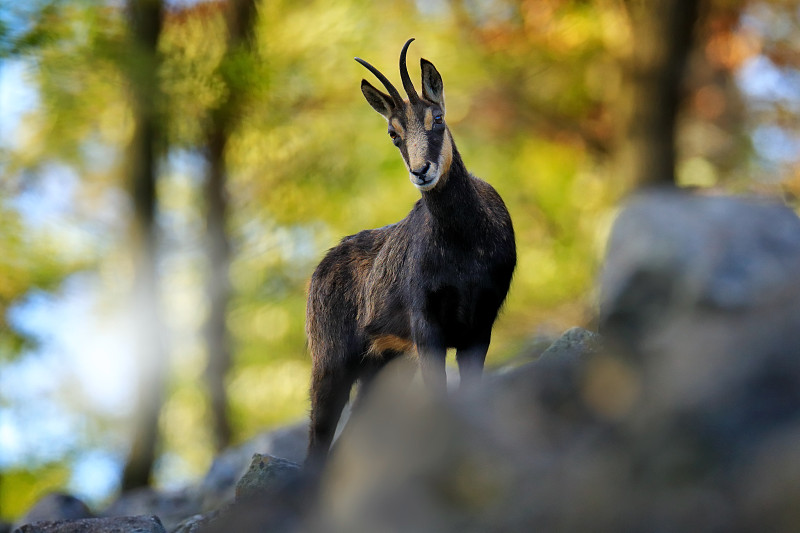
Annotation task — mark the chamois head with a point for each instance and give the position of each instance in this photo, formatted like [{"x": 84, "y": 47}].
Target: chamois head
[{"x": 416, "y": 125}]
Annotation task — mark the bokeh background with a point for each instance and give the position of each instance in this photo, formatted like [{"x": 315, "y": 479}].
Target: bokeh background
[{"x": 171, "y": 173}]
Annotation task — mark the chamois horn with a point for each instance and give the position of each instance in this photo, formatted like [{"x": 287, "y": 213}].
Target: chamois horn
[
  {"x": 398, "y": 100},
  {"x": 407, "y": 85}
]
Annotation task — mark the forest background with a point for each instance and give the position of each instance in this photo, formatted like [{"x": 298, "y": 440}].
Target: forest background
[{"x": 171, "y": 173}]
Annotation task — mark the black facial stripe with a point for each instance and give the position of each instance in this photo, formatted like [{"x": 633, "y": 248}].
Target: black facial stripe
[{"x": 435, "y": 141}]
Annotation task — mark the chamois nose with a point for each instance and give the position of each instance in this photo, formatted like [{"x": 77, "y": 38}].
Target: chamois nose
[{"x": 421, "y": 171}]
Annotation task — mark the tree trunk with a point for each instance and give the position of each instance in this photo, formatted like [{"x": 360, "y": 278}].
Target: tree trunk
[
  {"x": 663, "y": 35},
  {"x": 218, "y": 288},
  {"x": 241, "y": 18},
  {"x": 145, "y": 17}
]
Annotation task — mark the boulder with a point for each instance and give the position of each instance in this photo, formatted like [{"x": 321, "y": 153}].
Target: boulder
[
  {"x": 195, "y": 523},
  {"x": 122, "y": 524},
  {"x": 264, "y": 475},
  {"x": 556, "y": 377},
  {"x": 171, "y": 507},
  {"x": 682, "y": 268},
  {"x": 219, "y": 485},
  {"x": 702, "y": 295},
  {"x": 496, "y": 459},
  {"x": 56, "y": 506}
]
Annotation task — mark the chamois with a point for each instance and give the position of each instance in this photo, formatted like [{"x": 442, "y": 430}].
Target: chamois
[{"x": 432, "y": 281}]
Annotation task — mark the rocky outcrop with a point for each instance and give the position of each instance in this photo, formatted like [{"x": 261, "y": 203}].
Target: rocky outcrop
[
  {"x": 238, "y": 470},
  {"x": 702, "y": 297}
]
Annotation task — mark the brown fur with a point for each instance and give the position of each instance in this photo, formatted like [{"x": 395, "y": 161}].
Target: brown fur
[{"x": 384, "y": 343}]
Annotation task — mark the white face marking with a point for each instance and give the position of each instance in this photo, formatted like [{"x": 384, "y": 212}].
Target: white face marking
[
  {"x": 428, "y": 119},
  {"x": 436, "y": 170},
  {"x": 416, "y": 143}
]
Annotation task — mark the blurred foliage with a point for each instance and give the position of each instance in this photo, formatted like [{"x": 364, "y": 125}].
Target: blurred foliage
[
  {"x": 19, "y": 487},
  {"x": 531, "y": 90}
]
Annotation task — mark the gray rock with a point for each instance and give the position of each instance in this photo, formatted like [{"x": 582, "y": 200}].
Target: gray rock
[
  {"x": 56, "y": 506},
  {"x": 122, "y": 524},
  {"x": 171, "y": 507},
  {"x": 673, "y": 253},
  {"x": 703, "y": 295},
  {"x": 496, "y": 459},
  {"x": 556, "y": 377},
  {"x": 283, "y": 508},
  {"x": 219, "y": 484},
  {"x": 265, "y": 474},
  {"x": 195, "y": 523},
  {"x": 575, "y": 343}
]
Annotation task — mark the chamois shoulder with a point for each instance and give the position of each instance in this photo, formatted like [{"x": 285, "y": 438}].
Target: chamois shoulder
[{"x": 491, "y": 200}]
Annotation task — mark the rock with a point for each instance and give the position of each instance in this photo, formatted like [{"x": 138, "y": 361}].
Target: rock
[
  {"x": 572, "y": 442},
  {"x": 703, "y": 295},
  {"x": 123, "y": 524},
  {"x": 219, "y": 484},
  {"x": 678, "y": 263},
  {"x": 171, "y": 507},
  {"x": 264, "y": 475},
  {"x": 574, "y": 344},
  {"x": 556, "y": 377},
  {"x": 56, "y": 506},
  {"x": 195, "y": 523},
  {"x": 492, "y": 460},
  {"x": 283, "y": 508}
]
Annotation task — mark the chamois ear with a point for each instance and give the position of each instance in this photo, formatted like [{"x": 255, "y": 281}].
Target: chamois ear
[
  {"x": 379, "y": 101},
  {"x": 432, "y": 86}
]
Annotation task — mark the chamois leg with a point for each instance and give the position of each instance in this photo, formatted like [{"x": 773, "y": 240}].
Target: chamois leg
[
  {"x": 330, "y": 391},
  {"x": 432, "y": 353},
  {"x": 366, "y": 379},
  {"x": 365, "y": 382},
  {"x": 431, "y": 361},
  {"x": 369, "y": 372},
  {"x": 470, "y": 364}
]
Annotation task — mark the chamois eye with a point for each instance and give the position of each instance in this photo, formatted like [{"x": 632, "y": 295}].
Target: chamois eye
[{"x": 438, "y": 119}]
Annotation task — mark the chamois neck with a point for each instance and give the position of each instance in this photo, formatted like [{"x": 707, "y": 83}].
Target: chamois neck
[{"x": 453, "y": 203}]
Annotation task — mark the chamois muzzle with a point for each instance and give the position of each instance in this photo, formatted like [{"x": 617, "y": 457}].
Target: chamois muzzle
[
  {"x": 421, "y": 171},
  {"x": 422, "y": 179}
]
